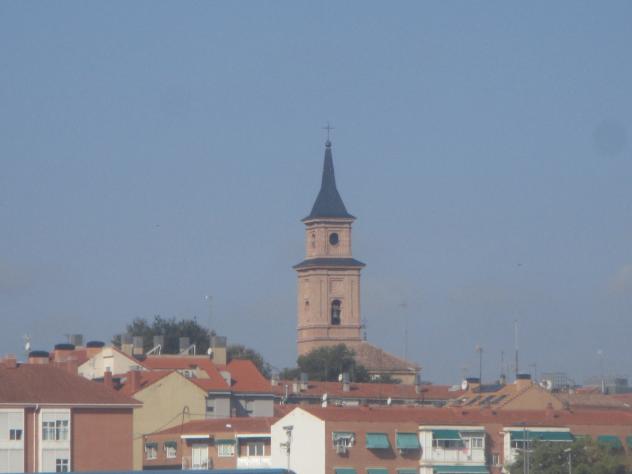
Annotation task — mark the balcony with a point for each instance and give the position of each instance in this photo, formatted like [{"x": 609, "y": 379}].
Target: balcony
[
  {"x": 253, "y": 462},
  {"x": 196, "y": 463}
]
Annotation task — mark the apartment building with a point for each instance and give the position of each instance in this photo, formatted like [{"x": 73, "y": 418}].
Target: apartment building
[
  {"x": 395, "y": 440},
  {"x": 54, "y": 421},
  {"x": 230, "y": 443}
]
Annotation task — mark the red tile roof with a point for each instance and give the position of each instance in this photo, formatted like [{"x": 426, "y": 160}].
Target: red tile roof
[
  {"x": 167, "y": 362},
  {"x": 373, "y": 391},
  {"x": 43, "y": 384},
  {"x": 245, "y": 377},
  {"x": 146, "y": 379},
  {"x": 460, "y": 416},
  {"x": 378, "y": 360},
  {"x": 223, "y": 425}
]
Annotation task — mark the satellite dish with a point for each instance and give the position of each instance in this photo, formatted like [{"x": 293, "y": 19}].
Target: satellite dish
[
  {"x": 464, "y": 385},
  {"x": 324, "y": 397},
  {"x": 209, "y": 351},
  {"x": 389, "y": 401},
  {"x": 27, "y": 346},
  {"x": 340, "y": 378}
]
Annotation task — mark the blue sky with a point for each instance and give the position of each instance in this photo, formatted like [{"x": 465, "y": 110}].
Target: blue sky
[{"x": 155, "y": 152}]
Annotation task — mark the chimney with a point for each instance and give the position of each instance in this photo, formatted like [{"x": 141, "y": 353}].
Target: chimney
[
  {"x": 9, "y": 361},
  {"x": 63, "y": 352},
  {"x": 38, "y": 357},
  {"x": 159, "y": 341},
  {"x": 134, "y": 380},
  {"x": 107, "y": 379},
  {"x": 523, "y": 381},
  {"x": 417, "y": 384},
  {"x": 184, "y": 343},
  {"x": 503, "y": 379},
  {"x": 127, "y": 345},
  {"x": 304, "y": 381},
  {"x": 346, "y": 384},
  {"x": 473, "y": 384},
  {"x": 274, "y": 380},
  {"x": 218, "y": 350},
  {"x": 295, "y": 386},
  {"x": 76, "y": 340},
  {"x": 138, "y": 344},
  {"x": 93, "y": 348}
]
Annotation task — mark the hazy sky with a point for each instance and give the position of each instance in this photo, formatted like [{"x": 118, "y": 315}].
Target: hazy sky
[{"x": 156, "y": 152}]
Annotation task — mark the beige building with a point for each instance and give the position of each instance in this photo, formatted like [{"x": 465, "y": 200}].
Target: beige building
[
  {"x": 169, "y": 399},
  {"x": 329, "y": 284}
]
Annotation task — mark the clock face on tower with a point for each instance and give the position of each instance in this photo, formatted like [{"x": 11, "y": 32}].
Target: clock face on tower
[{"x": 333, "y": 238}]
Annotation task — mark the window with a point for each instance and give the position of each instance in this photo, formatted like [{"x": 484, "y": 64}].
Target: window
[
  {"x": 171, "y": 449},
  {"x": 55, "y": 430},
  {"x": 225, "y": 449},
  {"x": 15, "y": 434},
  {"x": 448, "y": 443},
  {"x": 495, "y": 459},
  {"x": 255, "y": 449},
  {"x": 519, "y": 444},
  {"x": 210, "y": 405},
  {"x": 61, "y": 465},
  {"x": 151, "y": 451},
  {"x": 336, "y": 309},
  {"x": 334, "y": 239},
  {"x": 343, "y": 439},
  {"x": 313, "y": 240},
  {"x": 476, "y": 443}
]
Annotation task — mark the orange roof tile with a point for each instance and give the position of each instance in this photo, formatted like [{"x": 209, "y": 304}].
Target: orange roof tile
[
  {"x": 372, "y": 391},
  {"x": 28, "y": 384},
  {"x": 168, "y": 362},
  {"x": 223, "y": 425},
  {"x": 146, "y": 379},
  {"x": 245, "y": 377},
  {"x": 460, "y": 416}
]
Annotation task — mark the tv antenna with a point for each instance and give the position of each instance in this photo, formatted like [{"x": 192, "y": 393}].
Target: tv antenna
[
  {"x": 479, "y": 349},
  {"x": 403, "y": 305}
]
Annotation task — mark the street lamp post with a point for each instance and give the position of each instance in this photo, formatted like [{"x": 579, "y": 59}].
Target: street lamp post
[{"x": 570, "y": 460}]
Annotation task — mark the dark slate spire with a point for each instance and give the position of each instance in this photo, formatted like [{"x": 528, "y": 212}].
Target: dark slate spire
[{"x": 328, "y": 202}]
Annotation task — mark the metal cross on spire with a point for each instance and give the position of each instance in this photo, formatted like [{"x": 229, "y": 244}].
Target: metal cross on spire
[{"x": 329, "y": 128}]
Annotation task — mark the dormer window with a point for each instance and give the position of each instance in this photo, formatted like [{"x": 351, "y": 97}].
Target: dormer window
[{"x": 336, "y": 309}]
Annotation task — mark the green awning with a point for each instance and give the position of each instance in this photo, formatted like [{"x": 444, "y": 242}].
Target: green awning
[
  {"x": 611, "y": 440},
  {"x": 407, "y": 471},
  {"x": 377, "y": 441},
  {"x": 629, "y": 441},
  {"x": 542, "y": 436},
  {"x": 345, "y": 470},
  {"x": 377, "y": 470},
  {"x": 446, "y": 434},
  {"x": 225, "y": 441},
  {"x": 461, "y": 469},
  {"x": 407, "y": 441}
]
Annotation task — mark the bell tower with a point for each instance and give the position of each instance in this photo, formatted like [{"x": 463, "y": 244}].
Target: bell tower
[{"x": 329, "y": 277}]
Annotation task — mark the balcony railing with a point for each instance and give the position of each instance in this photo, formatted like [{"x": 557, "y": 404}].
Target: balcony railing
[
  {"x": 190, "y": 464},
  {"x": 253, "y": 462}
]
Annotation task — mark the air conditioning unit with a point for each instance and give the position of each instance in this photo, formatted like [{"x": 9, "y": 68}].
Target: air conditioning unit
[{"x": 341, "y": 449}]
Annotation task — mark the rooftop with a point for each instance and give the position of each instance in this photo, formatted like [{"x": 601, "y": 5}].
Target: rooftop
[
  {"x": 44, "y": 384},
  {"x": 223, "y": 425}
]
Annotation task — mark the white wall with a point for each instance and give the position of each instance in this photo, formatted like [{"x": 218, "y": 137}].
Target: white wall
[
  {"x": 51, "y": 450},
  {"x": 11, "y": 450},
  {"x": 307, "y": 453},
  {"x": 118, "y": 363}
]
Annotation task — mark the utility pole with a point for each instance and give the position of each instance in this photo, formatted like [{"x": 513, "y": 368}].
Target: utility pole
[{"x": 479, "y": 349}]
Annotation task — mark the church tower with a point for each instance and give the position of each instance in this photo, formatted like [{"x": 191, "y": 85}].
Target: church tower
[{"x": 329, "y": 277}]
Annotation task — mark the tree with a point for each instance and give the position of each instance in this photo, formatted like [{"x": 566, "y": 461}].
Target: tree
[
  {"x": 238, "y": 351},
  {"x": 171, "y": 330},
  {"x": 328, "y": 362},
  {"x": 588, "y": 457}
]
